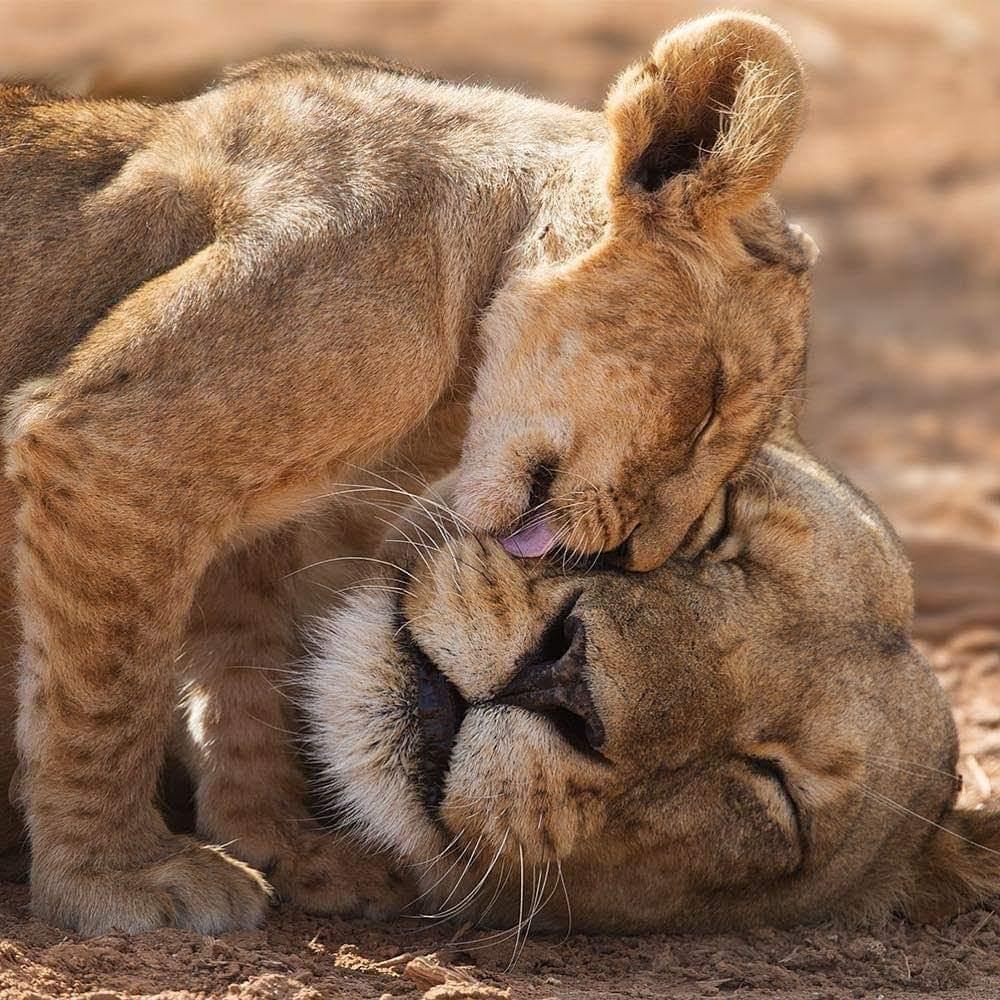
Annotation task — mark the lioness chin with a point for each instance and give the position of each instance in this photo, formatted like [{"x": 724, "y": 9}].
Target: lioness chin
[
  {"x": 744, "y": 736},
  {"x": 215, "y": 310}
]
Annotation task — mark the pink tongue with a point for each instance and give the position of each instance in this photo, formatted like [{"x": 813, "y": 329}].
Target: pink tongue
[{"x": 530, "y": 542}]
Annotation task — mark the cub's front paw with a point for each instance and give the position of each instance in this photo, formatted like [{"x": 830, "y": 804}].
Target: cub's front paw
[
  {"x": 190, "y": 886},
  {"x": 324, "y": 873}
]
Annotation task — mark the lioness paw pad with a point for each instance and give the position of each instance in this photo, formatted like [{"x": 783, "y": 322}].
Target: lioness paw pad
[{"x": 321, "y": 873}]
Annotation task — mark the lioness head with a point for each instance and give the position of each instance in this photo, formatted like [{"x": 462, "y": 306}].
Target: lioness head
[
  {"x": 742, "y": 736},
  {"x": 621, "y": 385}
]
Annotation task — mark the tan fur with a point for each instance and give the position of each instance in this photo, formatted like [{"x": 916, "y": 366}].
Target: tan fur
[
  {"x": 215, "y": 310},
  {"x": 779, "y": 634}
]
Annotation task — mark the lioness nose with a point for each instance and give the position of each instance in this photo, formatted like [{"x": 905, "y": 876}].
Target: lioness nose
[{"x": 552, "y": 681}]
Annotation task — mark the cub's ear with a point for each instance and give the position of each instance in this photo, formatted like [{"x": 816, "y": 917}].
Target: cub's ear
[
  {"x": 958, "y": 869},
  {"x": 705, "y": 123}
]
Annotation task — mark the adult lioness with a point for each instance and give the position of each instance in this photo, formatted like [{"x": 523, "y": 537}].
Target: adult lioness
[
  {"x": 743, "y": 736},
  {"x": 213, "y": 309}
]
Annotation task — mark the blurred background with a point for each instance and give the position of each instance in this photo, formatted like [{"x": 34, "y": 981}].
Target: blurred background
[{"x": 897, "y": 177}]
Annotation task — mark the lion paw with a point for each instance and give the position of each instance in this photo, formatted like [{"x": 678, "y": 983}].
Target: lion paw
[
  {"x": 323, "y": 873},
  {"x": 191, "y": 886}
]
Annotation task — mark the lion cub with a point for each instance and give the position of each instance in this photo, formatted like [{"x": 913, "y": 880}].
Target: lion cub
[{"x": 215, "y": 310}]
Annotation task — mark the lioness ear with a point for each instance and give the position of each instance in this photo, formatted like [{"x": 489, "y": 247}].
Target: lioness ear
[
  {"x": 707, "y": 120},
  {"x": 958, "y": 868}
]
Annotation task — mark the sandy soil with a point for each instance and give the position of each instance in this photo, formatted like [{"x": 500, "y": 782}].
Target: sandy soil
[
  {"x": 898, "y": 178},
  {"x": 305, "y": 958}
]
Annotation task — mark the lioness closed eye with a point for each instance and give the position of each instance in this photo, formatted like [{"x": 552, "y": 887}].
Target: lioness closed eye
[
  {"x": 743, "y": 736},
  {"x": 215, "y": 309}
]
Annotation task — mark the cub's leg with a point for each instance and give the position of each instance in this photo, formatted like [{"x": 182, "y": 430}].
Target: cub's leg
[
  {"x": 201, "y": 403},
  {"x": 239, "y": 697},
  {"x": 102, "y": 595},
  {"x": 13, "y": 851},
  {"x": 13, "y": 842}
]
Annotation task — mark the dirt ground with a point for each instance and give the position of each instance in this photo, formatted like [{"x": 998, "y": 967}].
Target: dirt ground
[{"x": 898, "y": 178}]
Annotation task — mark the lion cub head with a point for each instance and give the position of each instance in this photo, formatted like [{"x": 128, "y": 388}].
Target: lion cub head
[
  {"x": 622, "y": 385},
  {"x": 743, "y": 736}
]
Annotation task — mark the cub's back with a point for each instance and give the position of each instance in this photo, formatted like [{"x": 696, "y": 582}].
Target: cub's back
[{"x": 99, "y": 196}]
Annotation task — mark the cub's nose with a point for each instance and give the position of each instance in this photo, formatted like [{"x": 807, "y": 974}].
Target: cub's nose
[{"x": 551, "y": 680}]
